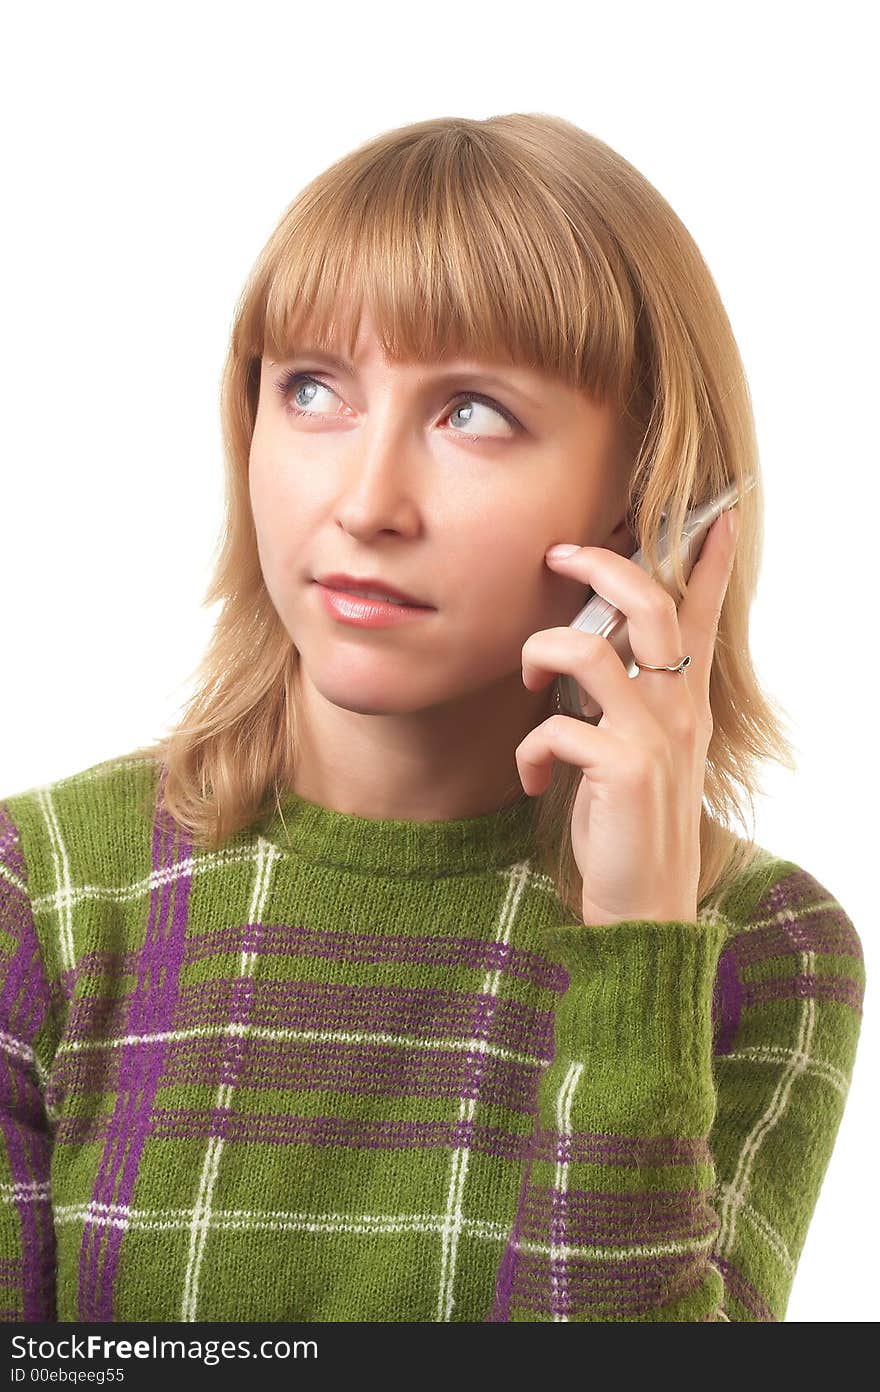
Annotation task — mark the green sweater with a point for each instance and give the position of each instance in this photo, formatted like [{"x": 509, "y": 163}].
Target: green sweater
[{"x": 350, "y": 1069}]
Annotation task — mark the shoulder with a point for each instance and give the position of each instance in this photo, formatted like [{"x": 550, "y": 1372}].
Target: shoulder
[
  {"x": 68, "y": 844},
  {"x": 80, "y": 826},
  {"x": 789, "y": 944},
  {"x": 772, "y": 895}
]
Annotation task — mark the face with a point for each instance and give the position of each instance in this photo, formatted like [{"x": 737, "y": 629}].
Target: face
[{"x": 448, "y": 481}]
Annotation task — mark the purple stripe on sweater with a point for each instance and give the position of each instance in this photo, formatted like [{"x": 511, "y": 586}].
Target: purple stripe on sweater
[
  {"x": 795, "y": 893},
  {"x": 428, "y": 1013},
  {"x": 337, "y": 945},
  {"x": 593, "y": 1218},
  {"x": 743, "y": 1291},
  {"x": 596, "y": 1218},
  {"x": 10, "y": 1271},
  {"x": 282, "y": 940},
  {"x": 617, "y": 1289},
  {"x": 793, "y": 901},
  {"x": 285, "y": 1129},
  {"x": 589, "y": 1148},
  {"x": 824, "y": 931},
  {"x": 726, "y": 1002},
  {"x": 183, "y": 1123},
  {"x": 150, "y": 1008},
  {"x": 806, "y": 987},
  {"x": 378, "y": 1070},
  {"x": 25, "y": 997}
]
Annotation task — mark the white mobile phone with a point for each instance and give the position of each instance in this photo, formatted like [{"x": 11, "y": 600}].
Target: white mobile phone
[{"x": 600, "y": 616}]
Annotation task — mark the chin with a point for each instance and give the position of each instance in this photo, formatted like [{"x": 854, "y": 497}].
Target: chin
[{"x": 366, "y": 698}]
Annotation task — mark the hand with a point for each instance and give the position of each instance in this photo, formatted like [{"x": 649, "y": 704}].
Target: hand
[{"x": 635, "y": 827}]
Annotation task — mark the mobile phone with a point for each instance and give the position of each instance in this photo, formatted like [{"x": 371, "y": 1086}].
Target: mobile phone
[{"x": 600, "y": 616}]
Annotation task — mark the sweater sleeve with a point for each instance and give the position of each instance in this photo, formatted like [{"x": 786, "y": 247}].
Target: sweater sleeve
[
  {"x": 27, "y": 1234},
  {"x": 685, "y": 1124}
]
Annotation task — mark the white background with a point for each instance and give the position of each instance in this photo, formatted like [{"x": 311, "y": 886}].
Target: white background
[{"x": 149, "y": 151}]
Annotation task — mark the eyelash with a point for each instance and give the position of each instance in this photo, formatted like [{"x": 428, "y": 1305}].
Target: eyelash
[{"x": 290, "y": 380}]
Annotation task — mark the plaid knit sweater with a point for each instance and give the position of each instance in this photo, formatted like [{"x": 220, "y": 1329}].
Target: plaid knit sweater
[{"x": 352, "y": 1069}]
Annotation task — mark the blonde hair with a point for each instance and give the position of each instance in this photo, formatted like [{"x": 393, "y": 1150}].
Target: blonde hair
[{"x": 519, "y": 238}]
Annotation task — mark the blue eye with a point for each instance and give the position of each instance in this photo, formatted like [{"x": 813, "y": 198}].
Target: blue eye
[
  {"x": 289, "y": 384},
  {"x": 482, "y": 401}
]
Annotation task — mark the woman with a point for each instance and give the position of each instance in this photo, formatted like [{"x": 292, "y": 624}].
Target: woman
[{"x": 381, "y": 989}]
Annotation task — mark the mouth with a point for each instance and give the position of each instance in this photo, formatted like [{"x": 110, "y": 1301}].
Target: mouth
[
  {"x": 348, "y": 607},
  {"x": 375, "y": 590}
]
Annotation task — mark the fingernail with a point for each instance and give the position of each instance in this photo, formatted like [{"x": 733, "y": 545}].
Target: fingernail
[
  {"x": 559, "y": 553},
  {"x": 732, "y": 522}
]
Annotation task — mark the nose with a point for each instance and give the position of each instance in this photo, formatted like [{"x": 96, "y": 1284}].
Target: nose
[{"x": 377, "y": 488}]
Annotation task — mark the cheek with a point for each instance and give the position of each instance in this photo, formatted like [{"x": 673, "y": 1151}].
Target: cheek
[
  {"x": 267, "y": 478},
  {"x": 280, "y": 527},
  {"x": 496, "y": 585}
]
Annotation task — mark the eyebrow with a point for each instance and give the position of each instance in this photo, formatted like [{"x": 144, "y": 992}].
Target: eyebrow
[{"x": 446, "y": 375}]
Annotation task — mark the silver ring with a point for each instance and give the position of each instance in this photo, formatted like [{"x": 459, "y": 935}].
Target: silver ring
[{"x": 678, "y": 667}]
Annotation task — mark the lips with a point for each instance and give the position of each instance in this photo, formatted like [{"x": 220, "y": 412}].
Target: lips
[{"x": 371, "y": 586}]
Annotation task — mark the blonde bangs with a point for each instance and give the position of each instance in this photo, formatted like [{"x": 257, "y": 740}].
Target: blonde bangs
[{"x": 502, "y": 276}]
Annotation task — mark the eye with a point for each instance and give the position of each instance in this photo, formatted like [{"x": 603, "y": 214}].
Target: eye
[
  {"x": 298, "y": 389},
  {"x": 486, "y": 404},
  {"x": 292, "y": 383}
]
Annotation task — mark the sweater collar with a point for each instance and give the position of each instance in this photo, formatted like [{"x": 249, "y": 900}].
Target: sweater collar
[{"x": 458, "y": 846}]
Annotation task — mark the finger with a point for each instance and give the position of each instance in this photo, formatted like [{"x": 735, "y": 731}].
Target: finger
[
  {"x": 650, "y": 611},
  {"x": 699, "y": 613},
  {"x": 571, "y": 741},
  {"x": 595, "y": 666}
]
